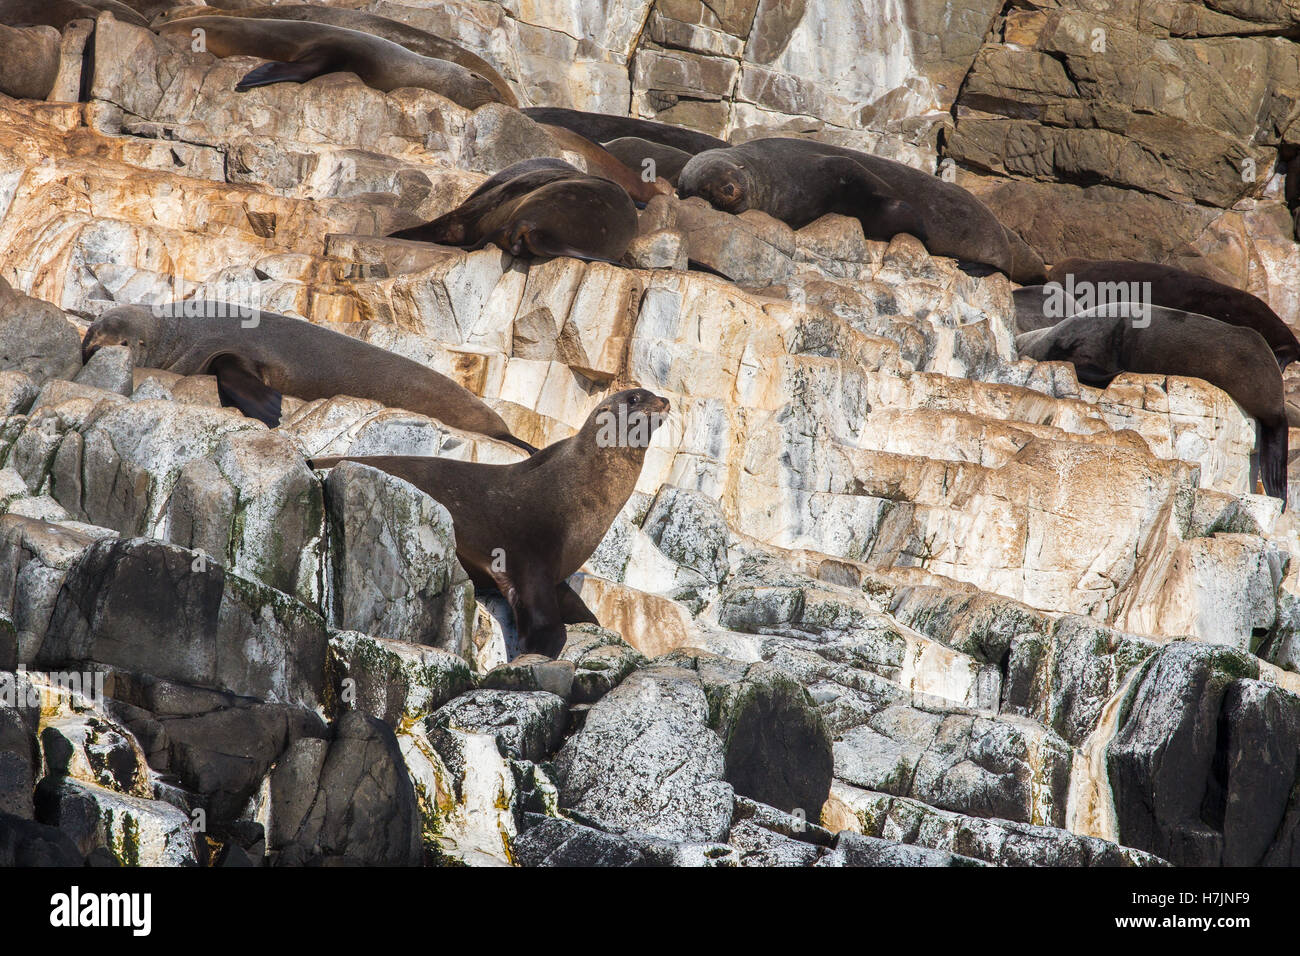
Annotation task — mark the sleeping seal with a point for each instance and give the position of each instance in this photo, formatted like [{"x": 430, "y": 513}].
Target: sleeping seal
[
  {"x": 798, "y": 181},
  {"x": 281, "y": 355},
  {"x": 1103, "y": 342},
  {"x": 302, "y": 50}
]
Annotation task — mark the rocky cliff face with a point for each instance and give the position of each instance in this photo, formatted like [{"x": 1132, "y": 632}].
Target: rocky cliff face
[{"x": 884, "y": 593}]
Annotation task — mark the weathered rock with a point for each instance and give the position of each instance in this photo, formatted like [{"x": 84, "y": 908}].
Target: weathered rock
[
  {"x": 395, "y": 681},
  {"x": 527, "y": 725},
  {"x": 224, "y": 755},
  {"x": 395, "y": 570},
  {"x": 1196, "y": 779},
  {"x": 120, "y": 599},
  {"x": 111, "y": 369},
  {"x": 645, "y": 760},
  {"x": 348, "y": 801},
  {"x": 778, "y": 748},
  {"x": 37, "y": 338},
  {"x": 601, "y": 660},
  {"x": 24, "y": 842},
  {"x": 137, "y": 832}
]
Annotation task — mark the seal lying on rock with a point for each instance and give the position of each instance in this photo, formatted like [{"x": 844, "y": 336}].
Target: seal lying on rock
[
  {"x": 302, "y": 50},
  {"x": 1104, "y": 342},
  {"x": 417, "y": 41},
  {"x": 602, "y": 127},
  {"x": 59, "y": 13},
  {"x": 524, "y": 528},
  {"x": 1176, "y": 289},
  {"x": 540, "y": 207},
  {"x": 798, "y": 181},
  {"x": 275, "y": 355}
]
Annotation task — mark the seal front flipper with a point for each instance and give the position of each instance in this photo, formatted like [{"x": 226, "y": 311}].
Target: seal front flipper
[
  {"x": 573, "y": 610},
  {"x": 239, "y": 386},
  {"x": 537, "y": 613},
  {"x": 304, "y": 68},
  {"x": 1272, "y": 459}
]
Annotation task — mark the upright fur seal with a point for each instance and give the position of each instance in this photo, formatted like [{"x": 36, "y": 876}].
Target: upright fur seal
[
  {"x": 540, "y": 207},
  {"x": 301, "y": 50},
  {"x": 1103, "y": 342},
  {"x": 1176, "y": 288},
  {"x": 59, "y": 13},
  {"x": 524, "y": 528},
  {"x": 633, "y": 151},
  {"x": 417, "y": 41},
  {"x": 256, "y": 365},
  {"x": 602, "y": 127},
  {"x": 799, "y": 180}
]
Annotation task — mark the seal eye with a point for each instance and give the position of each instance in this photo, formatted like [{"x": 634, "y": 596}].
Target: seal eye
[{"x": 634, "y": 399}]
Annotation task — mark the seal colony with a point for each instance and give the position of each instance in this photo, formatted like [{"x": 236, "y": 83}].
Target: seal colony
[{"x": 525, "y": 528}]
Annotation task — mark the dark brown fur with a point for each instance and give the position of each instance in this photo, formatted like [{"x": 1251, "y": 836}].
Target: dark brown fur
[
  {"x": 415, "y": 40},
  {"x": 798, "y": 181},
  {"x": 254, "y": 366},
  {"x": 59, "y": 13},
  {"x": 602, "y": 127},
  {"x": 300, "y": 50},
  {"x": 524, "y": 528},
  {"x": 1103, "y": 343},
  {"x": 540, "y": 207},
  {"x": 1178, "y": 289},
  {"x": 601, "y": 162}
]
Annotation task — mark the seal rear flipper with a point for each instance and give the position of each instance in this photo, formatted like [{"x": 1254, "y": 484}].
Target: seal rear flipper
[
  {"x": 306, "y": 67},
  {"x": 1272, "y": 459},
  {"x": 518, "y": 443},
  {"x": 239, "y": 386}
]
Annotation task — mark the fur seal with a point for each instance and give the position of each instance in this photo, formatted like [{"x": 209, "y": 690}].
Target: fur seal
[
  {"x": 59, "y": 13},
  {"x": 799, "y": 180},
  {"x": 601, "y": 162},
  {"x": 540, "y": 207},
  {"x": 1104, "y": 342},
  {"x": 633, "y": 151},
  {"x": 301, "y": 50},
  {"x": 257, "y": 364},
  {"x": 601, "y": 128},
  {"x": 525, "y": 527},
  {"x": 1176, "y": 288},
  {"x": 29, "y": 61},
  {"x": 417, "y": 41}
]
